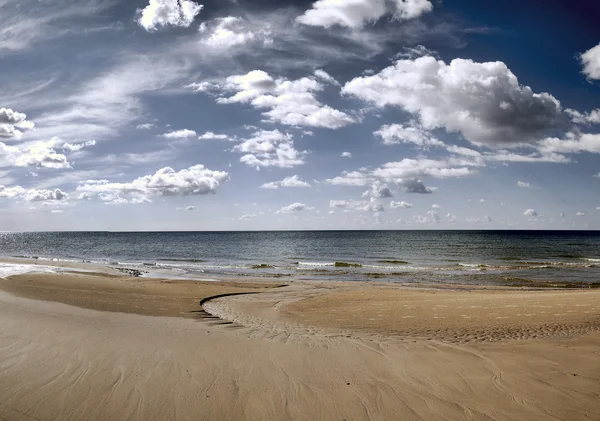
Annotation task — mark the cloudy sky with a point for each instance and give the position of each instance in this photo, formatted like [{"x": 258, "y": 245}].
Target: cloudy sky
[{"x": 282, "y": 114}]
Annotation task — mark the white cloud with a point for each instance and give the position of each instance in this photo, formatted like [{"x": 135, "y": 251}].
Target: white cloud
[
  {"x": 406, "y": 173},
  {"x": 293, "y": 181},
  {"x": 530, "y": 212},
  {"x": 482, "y": 201},
  {"x": 423, "y": 167},
  {"x": 434, "y": 216},
  {"x": 76, "y": 147},
  {"x": 270, "y": 148},
  {"x": 160, "y": 13},
  {"x": 13, "y": 123},
  {"x": 144, "y": 126},
  {"x": 397, "y": 133},
  {"x": 326, "y": 77},
  {"x": 597, "y": 175},
  {"x": 400, "y": 205},
  {"x": 179, "y": 134},
  {"x": 436, "y": 206},
  {"x": 482, "y": 101},
  {"x": 247, "y": 217},
  {"x": 294, "y": 207},
  {"x": 32, "y": 195},
  {"x": 290, "y": 102},
  {"x": 213, "y": 136},
  {"x": 580, "y": 214},
  {"x": 592, "y": 117},
  {"x": 196, "y": 180},
  {"x": 574, "y": 143},
  {"x": 590, "y": 60},
  {"x": 523, "y": 185},
  {"x": 359, "y": 13},
  {"x": 228, "y": 32},
  {"x": 353, "y": 178},
  {"x": 371, "y": 205},
  {"x": 187, "y": 208},
  {"x": 346, "y": 155},
  {"x": 378, "y": 190},
  {"x": 39, "y": 154}
]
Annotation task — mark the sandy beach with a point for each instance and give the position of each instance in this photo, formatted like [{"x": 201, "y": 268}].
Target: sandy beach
[{"x": 99, "y": 346}]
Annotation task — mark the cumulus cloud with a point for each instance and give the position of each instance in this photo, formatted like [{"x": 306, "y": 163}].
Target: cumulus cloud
[
  {"x": 407, "y": 173},
  {"x": 592, "y": 117},
  {"x": 161, "y": 13},
  {"x": 398, "y": 133},
  {"x": 378, "y": 190},
  {"x": 188, "y": 208},
  {"x": 371, "y": 205},
  {"x": 179, "y": 134},
  {"x": 32, "y": 195},
  {"x": 346, "y": 155},
  {"x": 482, "y": 101},
  {"x": 530, "y": 212},
  {"x": 400, "y": 205},
  {"x": 356, "y": 14},
  {"x": 423, "y": 167},
  {"x": 293, "y": 181},
  {"x": 435, "y": 217},
  {"x": 228, "y": 32},
  {"x": 350, "y": 178},
  {"x": 413, "y": 185},
  {"x": 213, "y": 136},
  {"x": 76, "y": 147},
  {"x": 590, "y": 60},
  {"x": 196, "y": 180},
  {"x": 294, "y": 207},
  {"x": 436, "y": 206},
  {"x": 13, "y": 123},
  {"x": 572, "y": 143},
  {"x": 580, "y": 214},
  {"x": 289, "y": 102},
  {"x": 270, "y": 148},
  {"x": 41, "y": 154}
]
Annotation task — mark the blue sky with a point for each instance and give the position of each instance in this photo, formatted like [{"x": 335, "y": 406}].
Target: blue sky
[{"x": 244, "y": 115}]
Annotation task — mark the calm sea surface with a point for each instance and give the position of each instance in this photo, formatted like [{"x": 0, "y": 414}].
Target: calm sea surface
[{"x": 475, "y": 257}]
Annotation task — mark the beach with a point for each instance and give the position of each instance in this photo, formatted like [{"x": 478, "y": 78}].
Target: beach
[{"x": 98, "y": 345}]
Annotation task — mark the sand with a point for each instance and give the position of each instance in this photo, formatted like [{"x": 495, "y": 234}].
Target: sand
[{"x": 92, "y": 347}]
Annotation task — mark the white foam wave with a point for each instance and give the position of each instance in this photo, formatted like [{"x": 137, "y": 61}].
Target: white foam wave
[
  {"x": 318, "y": 264},
  {"x": 10, "y": 269}
]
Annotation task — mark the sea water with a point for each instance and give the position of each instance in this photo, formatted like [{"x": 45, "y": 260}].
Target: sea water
[{"x": 465, "y": 257}]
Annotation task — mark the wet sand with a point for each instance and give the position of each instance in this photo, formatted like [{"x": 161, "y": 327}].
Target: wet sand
[{"x": 90, "y": 346}]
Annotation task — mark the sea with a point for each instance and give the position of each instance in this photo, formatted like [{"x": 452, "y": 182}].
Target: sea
[{"x": 516, "y": 258}]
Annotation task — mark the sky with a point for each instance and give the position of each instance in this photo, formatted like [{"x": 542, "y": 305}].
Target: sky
[{"x": 283, "y": 115}]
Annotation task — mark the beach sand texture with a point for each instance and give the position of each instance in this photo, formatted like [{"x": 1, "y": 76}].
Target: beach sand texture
[{"x": 75, "y": 347}]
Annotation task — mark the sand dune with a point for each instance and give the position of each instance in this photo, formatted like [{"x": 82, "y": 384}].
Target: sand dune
[{"x": 61, "y": 362}]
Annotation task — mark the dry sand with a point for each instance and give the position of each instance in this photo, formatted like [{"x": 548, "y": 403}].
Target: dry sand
[{"x": 308, "y": 351}]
